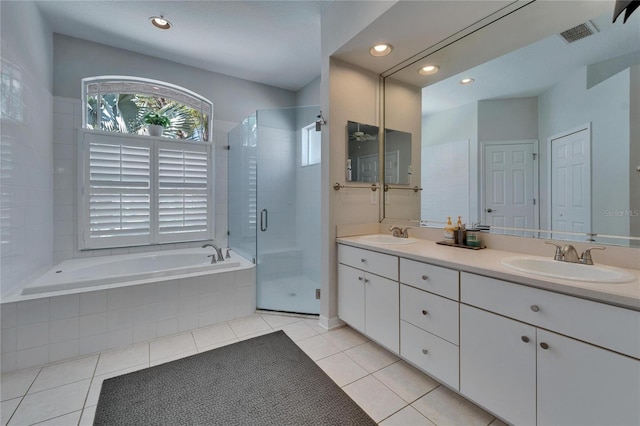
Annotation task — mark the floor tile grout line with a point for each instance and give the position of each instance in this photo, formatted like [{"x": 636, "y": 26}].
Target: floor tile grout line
[{"x": 24, "y": 395}]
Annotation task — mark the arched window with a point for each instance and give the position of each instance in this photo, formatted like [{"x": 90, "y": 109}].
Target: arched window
[
  {"x": 120, "y": 103},
  {"x": 142, "y": 190}
]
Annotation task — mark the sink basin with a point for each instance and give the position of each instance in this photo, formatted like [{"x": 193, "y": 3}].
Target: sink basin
[
  {"x": 567, "y": 271},
  {"x": 387, "y": 239}
]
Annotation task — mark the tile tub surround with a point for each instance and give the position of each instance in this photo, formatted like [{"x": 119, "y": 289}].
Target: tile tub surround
[
  {"x": 54, "y": 328},
  {"x": 391, "y": 391}
]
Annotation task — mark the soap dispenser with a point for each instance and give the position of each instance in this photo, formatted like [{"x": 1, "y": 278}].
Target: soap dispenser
[{"x": 449, "y": 231}]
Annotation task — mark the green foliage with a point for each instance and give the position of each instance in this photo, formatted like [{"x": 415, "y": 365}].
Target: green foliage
[
  {"x": 157, "y": 119},
  {"x": 128, "y": 113}
]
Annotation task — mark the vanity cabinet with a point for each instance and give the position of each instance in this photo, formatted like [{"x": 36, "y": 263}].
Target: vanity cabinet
[
  {"x": 428, "y": 321},
  {"x": 368, "y": 294},
  {"x": 538, "y": 357}
]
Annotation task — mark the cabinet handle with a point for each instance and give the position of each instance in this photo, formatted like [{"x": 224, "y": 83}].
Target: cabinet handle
[
  {"x": 544, "y": 346},
  {"x": 535, "y": 308},
  {"x": 425, "y": 277},
  {"x": 424, "y": 351},
  {"x": 525, "y": 339},
  {"x": 360, "y": 278},
  {"x": 424, "y": 312},
  {"x": 366, "y": 280},
  {"x": 363, "y": 260}
]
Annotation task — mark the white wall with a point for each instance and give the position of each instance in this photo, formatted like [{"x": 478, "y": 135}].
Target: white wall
[
  {"x": 455, "y": 126},
  {"x": 233, "y": 98},
  {"x": 508, "y": 119},
  {"x": 26, "y": 217},
  {"x": 74, "y": 59},
  {"x": 607, "y": 107},
  {"x": 403, "y": 112},
  {"x": 309, "y": 94}
]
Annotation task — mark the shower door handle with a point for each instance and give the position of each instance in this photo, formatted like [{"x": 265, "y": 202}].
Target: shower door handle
[{"x": 264, "y": 220}]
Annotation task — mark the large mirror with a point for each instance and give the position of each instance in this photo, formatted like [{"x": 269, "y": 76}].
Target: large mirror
[
  {"x": 363, "y": 149},
  {"x": 397, "y": 157},
  {"x": 545, "y": 138}
]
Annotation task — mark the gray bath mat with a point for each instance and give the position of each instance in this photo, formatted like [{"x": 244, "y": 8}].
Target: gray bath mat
[{"x": 267, "y": 380}]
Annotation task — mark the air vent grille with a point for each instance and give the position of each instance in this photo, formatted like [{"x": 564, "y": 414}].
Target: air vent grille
[{"x": 578, "y": 32}]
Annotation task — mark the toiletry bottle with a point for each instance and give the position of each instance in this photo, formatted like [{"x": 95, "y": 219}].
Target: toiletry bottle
[
  {"x": 459, "y": 224},
  {"x": 449, "y": 231}
]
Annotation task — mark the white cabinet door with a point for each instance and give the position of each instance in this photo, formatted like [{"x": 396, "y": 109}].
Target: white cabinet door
[
  {"x": 498, "y": 364},
  {"x": 382, "y": 311},
  {"x": 581, "y": 384},
  {"x": 351, "y": 296}
]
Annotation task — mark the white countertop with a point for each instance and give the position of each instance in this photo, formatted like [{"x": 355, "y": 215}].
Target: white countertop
[{"x": 487, "y": 262}]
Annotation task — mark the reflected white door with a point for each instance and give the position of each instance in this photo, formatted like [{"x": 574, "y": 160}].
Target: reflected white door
[
  {"x": 571, "y": 183},
  {"x": 509, "y": 185},
  {"x": 368, "y": 168},
  {"x": 391, "y": 167}
]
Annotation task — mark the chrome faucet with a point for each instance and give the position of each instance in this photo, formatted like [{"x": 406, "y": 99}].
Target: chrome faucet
[
  {"x": 568, "y": 253},
  {"x": 218, "y": 252},
  {"x": 399, "y": 232}
]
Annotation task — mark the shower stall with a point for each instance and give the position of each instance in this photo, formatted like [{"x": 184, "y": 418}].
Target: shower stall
[{"x": 274, "y": 205}]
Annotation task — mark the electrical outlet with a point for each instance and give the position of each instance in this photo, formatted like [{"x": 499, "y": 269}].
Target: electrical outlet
[{"x": 317, "y": 293}]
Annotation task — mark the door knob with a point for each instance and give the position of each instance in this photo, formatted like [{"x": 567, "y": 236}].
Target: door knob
[{"x": 490, "y": 210}]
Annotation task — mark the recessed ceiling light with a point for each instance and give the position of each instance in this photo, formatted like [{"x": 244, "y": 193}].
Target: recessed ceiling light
[
  {"x": 382, "y": 49},
  {"x": 467, "y": 80},
  {"x": 160, "y": 22},
  {"x": 428, "y": 69}
]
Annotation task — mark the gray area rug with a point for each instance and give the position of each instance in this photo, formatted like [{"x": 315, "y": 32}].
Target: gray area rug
[{"x": 267, "y": 380}]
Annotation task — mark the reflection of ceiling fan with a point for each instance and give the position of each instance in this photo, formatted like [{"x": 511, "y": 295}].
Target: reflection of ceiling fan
[{"x": 361, "y": 136}]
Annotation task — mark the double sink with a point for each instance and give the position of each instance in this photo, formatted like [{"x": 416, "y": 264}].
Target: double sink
[{"x": 537, "y": 265}]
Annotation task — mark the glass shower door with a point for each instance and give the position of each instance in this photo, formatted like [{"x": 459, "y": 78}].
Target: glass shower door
[
  {"x": 288, "y": 210},
  {"x": 274, "y": 205}
]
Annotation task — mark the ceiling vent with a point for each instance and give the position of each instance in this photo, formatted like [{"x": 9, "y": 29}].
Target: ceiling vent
[{"x": 578, "y": 32}]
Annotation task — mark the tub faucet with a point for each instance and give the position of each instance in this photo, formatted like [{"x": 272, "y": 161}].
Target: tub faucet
[{"x": 217, "y": 249}]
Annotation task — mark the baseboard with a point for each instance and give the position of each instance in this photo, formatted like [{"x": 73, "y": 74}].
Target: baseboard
[{"x": 330, "y": 323}]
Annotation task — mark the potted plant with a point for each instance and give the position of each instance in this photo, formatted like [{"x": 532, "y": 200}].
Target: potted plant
[{"x": 156, "y": 123}]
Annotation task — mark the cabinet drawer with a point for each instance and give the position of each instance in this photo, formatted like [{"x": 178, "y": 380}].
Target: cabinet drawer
[
  {"x": 432, "y": 313},
  {"x": 435, "y": 279},
  {"x": 435, "y": 356},
  {"x": 377, "y": 263},
  {"x": 604, "y": 325}
]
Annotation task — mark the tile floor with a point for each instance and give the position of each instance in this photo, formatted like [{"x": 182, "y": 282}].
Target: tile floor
[{"x": 388, "y": 389}]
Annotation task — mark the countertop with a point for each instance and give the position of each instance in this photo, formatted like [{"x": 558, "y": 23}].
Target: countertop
[{"x": 487, "y": 262}]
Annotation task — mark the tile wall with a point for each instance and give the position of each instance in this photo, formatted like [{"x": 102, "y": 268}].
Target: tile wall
[
  {"x": 50, "y": 329},
  {"x": 26, "y": 197}
]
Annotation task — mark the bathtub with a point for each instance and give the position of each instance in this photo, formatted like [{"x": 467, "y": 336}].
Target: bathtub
[
  {"x": 122, "y": 269},
  {"x": 86, "y": 306}
]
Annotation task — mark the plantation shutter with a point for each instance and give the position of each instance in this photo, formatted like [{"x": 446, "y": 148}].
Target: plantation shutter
[
  {"x": 119, "y": 190},
  {"x": 183, "y": 191},
  {"x": 138, "y": 192}
]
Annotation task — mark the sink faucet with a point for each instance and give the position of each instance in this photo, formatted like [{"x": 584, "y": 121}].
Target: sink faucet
[
  {"x": 399, "y": 232},
  {"x": 568, "y": 253},
  {"x": 217, "y": 249}
]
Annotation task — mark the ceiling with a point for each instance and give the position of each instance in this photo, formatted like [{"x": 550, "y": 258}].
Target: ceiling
[
  {"x": 271, "y": 42},
  {"x": 533, "y": 69}
]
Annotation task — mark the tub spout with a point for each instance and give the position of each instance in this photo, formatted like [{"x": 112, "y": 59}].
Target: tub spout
[{"x": 217, "y": 249}]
